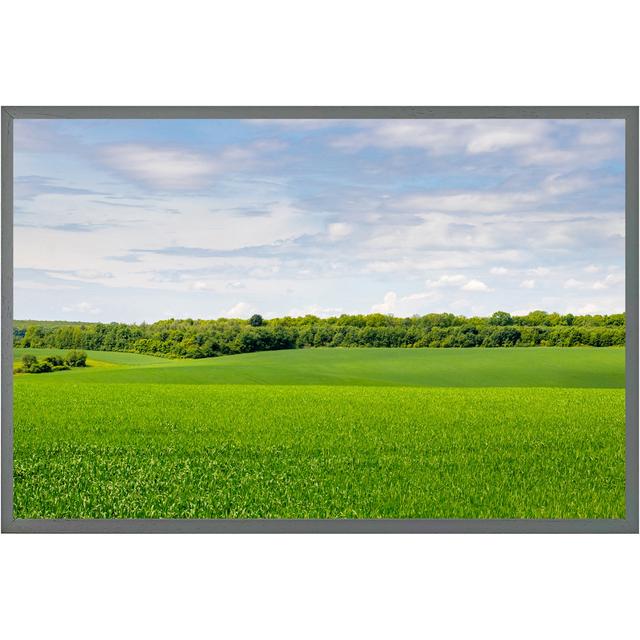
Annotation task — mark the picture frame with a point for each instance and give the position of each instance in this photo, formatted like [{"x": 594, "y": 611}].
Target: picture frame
[{"x": 627, "y": 525}]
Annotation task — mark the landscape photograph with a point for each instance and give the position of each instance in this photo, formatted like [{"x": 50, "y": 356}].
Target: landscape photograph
[{"x": 319, "y": 319}]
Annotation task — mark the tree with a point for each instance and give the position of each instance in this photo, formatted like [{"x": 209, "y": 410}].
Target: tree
[
  {"x": 33, "y": 336},
  {"x": 207, "y": 338},
  {"x": 567, "y": 319},
  {"x": 503, "y": 337},
  {"x": 537, "y": 318},
  {"x": 501, "y": 319}
]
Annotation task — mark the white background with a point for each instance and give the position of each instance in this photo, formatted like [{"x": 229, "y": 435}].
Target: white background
[{"x": 325, "y": 53}]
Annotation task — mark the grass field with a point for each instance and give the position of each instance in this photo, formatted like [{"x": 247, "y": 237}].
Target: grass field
[
  {"x": 521, "y": 367},
  {"x": 325, "y": 433}
]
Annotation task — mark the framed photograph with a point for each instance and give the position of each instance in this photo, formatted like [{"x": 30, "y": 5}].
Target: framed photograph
[{"x": 320, "y": 319}]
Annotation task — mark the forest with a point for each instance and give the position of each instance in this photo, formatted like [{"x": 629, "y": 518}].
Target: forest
[{"x": 188, "y": 338}]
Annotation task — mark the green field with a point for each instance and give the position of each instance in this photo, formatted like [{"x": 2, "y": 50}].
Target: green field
[
  {"x": 325, "y": 433},
  {"x": 531, "y": 367}
]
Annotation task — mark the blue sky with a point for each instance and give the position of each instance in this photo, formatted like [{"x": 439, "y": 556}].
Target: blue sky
[{"x": 140, "y": 220}]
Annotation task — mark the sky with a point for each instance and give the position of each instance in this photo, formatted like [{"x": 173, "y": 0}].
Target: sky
[{"x": 142, "y": 220}]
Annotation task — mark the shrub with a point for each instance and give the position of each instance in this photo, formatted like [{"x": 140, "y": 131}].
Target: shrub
[
  {"x": 31, "y": 364},
  {"x": 28, "y": 361},
  {"x": 76, "y": 358},
  {"x": 40, "y": 367}
]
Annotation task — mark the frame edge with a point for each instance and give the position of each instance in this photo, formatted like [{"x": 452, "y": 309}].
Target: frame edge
[
  {"x": 6, "y": 313},
  {"x": 629, "y": 525}
]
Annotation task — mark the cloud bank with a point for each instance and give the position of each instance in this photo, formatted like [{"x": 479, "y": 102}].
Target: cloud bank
[{"x": 139, "y": 220}]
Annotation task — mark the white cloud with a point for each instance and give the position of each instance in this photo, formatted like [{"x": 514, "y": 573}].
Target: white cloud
[
  {"x": 592, "y": 268},
  {"x": 419, "y": 297},
  {"x": 558, "y": 184},
  {"x": 315, "y": 310},
  {"x": 160, "y": 166},
  {"x": 445, "y": 136},
  {"x": 446, "y": 281},
  {"x": 217, "y": 286},
  {"x": 457, "y": 281},
  {"x": 522, "y": 312},
  {"x": 601, "y": 305},
  {"x": 611, "y": 280},
  {"x": 472, "y": 202},
  {"x": 388, "y": 305},
  {"x": 43, "y": 286},
  {"x": 82, "y": 307},
  {"x": 475, "y": 285},
  {"x": 80, "y": 275},
  {"x": 167, "y": 167},
  {"x": 549, "y": 156},
  {"x": 572, "y": 283},
  {"x": 498, "y": 138},
  {"x": 498, "y": 271},
  {"x": 528, "y": 284},
  {"x": 406, "y": 305},
  {"x": 339, "y": 230},
  {"x": 417, "y": 260},
  {"x": 239, "y": 310},
  {"x": 539, "y": 271},
  {"x": 597, "y": 134},
  {"x": 83, "y": 274},
  {"x": 530, "y": 142}
]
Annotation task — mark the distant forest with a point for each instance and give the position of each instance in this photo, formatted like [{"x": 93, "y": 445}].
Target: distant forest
[{"x": 206, "y": 338}]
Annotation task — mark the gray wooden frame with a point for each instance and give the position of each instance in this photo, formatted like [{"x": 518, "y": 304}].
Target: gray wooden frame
[{"x": 627, "y": 525}]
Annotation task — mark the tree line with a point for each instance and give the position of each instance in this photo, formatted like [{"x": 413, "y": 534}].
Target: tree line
[{"x": 190, "y": 338}]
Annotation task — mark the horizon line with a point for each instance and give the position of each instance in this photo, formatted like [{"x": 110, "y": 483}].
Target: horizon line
[{"x": 311, "y": 315}]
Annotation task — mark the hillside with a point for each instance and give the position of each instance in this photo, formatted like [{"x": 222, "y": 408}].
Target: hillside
[{"x": 533, "y": 367}]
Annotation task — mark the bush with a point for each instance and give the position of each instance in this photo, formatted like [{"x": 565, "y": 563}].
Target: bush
[
  {"x": 28, "y": 361},
  {"x": 40, "y": 367},
  {"x": 30, "y": 364},
  {"x": 76, "y": 358}
]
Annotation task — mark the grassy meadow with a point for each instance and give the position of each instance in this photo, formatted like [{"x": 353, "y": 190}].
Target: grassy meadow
[{"x": 324, "y": 433}]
